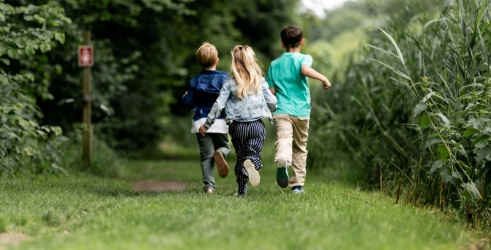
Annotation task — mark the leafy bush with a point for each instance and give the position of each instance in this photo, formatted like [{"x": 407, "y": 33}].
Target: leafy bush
[
  {"x": 415, "y": 112},
  {"x": 25, "y": 31}
]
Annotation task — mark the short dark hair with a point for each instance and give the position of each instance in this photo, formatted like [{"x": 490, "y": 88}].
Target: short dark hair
[{"x": 291, "y": 36}]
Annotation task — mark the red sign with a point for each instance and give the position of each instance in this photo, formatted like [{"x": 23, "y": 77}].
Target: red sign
[{"x": 85, "y": 56}]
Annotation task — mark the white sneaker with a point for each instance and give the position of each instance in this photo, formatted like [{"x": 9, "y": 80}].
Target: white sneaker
[{"x": 254, "y": 177}]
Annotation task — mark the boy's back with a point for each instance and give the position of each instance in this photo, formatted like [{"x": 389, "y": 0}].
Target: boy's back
[{"x": 291, "y": 86}]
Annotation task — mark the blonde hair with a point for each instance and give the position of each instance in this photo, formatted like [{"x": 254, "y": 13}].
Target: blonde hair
[
  {"x": 246, "y": 71},
  {"x": 207, "y": 55}
]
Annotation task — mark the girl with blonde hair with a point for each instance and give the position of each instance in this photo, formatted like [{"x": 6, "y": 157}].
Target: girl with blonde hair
[{"x": 246, "y": 99}]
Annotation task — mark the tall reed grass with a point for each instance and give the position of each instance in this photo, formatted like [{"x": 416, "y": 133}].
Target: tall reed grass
[{"x": 414, "y": 114}]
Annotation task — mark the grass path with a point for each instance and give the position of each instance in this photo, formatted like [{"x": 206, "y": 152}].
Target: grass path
[{"x": 86, "y": 212}]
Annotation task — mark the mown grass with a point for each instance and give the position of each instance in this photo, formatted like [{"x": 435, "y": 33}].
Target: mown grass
[{"x": 87, "y": 212}]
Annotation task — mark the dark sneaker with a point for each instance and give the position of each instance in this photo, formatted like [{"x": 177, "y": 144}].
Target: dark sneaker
[
  {"x": 253, "y": 174},
  {"x": 297, "y": 190},
  {"x": 282, "y": 172},
  {"x": 221, "y": 164}
]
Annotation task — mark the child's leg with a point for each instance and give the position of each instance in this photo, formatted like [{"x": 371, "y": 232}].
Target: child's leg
[
  {"x": 222, "y": 150},
  {"x": 248, "y": 140},
  {"x": 299, "y": 158},
  {"x": 284, "y": 132},
  {"x": 222, "y": 144},
  {"x": 240, "y": 172},
  {"x": 256, "y": 133},
  {"x": 206, "y": 149}
]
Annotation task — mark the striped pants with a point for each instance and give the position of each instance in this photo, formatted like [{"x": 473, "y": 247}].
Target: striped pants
[{"x": 248, "y": 140}]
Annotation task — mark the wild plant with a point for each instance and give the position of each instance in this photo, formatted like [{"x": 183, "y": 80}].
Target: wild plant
[{"x": 414, "y": 112}]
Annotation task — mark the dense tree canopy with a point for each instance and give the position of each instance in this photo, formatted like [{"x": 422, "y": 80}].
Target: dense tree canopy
[{"x": 144, "y": 54}]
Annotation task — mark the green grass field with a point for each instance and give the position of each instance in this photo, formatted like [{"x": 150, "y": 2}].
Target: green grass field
[{"x": 87, "y": 212}]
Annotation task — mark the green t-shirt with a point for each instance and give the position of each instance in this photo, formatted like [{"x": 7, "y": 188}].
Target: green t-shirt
[{"x": 292, "y": 89}]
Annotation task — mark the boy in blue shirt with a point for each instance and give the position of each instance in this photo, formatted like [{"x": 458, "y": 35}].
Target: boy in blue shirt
[
  {"x": 202, "y": 93},
  {"x": 287, "y": 79}
]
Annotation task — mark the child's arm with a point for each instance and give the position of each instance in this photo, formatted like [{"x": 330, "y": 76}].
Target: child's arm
[
  {"x": 217, "y": 108},
  {"x": 269, "y": 96},
  {"x": 312, "y": 73}
]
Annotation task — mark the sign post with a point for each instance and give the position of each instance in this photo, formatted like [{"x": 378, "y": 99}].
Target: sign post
[{"x": 86, "y": 60}]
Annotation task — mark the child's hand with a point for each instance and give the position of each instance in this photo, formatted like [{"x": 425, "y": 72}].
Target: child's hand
[
  {"x": 327, "y": 84},
  {"x": 202, "y": 130}
]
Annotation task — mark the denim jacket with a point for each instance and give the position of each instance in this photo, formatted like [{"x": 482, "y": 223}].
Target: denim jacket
[{"x": 249, "y": 108}]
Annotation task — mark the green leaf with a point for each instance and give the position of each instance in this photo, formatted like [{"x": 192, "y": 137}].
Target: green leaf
[
  {"x": 420, "y": 107},
  {"x": 432, "y": 142},
  {"x": 394, "y": 70},
  {"x": 470, "y": 131},
  {"x": 60, "y": 37},
  {"x": 479, "y": 139},
  {"x": 436, "y": 165},
  {"x": 5, "y": 61},
  {"x": 24, "y": 123},
  {"x": 399, "y": 54},
  {"x": 29, "y": 50},
  {"x": 29, "y": 77},
  {"x": 443, "y": 152},
  {"x": 444, "y": 119},
  {"x": 483, "y": 153},
  {"x": 39, "y": 19},
  {"x": 472, "y": 189},
  {"x": 428, "y": 96},
  {"x": 29, "y": 151},
  {"x": 41, "y": 133},
  {"x": 45, "y": 47},
  {"x": 58, "y": 131},
  {"x": 446, "y": 175},
  {"x": 424, "y": 121},
  {"x": 12, "y": 53}
]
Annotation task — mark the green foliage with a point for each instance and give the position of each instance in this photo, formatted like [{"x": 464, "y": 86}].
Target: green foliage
[
  {"x": 26, "y": 31},
  {"x": 144, "y": 55},
  {"x": 414, "y": 108},
  {"x": 453, "y": 109},
  {"x": 105, "y": 162}
]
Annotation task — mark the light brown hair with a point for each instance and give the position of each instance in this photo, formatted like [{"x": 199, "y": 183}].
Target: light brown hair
[{"x": 207, "y": 55}]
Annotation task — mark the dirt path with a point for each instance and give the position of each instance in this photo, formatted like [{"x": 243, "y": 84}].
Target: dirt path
[
  {"x": 7, "y": 239},
  {"x": 155, "y": 186}
]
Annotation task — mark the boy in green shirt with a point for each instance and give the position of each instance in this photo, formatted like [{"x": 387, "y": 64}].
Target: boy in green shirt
[{"x": 287, "y": 79}]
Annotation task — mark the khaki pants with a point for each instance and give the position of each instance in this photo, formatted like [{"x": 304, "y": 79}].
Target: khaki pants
[{"x": 292, "y": 133}]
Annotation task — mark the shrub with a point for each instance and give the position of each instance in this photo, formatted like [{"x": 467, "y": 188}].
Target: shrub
[{"x": 414, "y": 113}]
